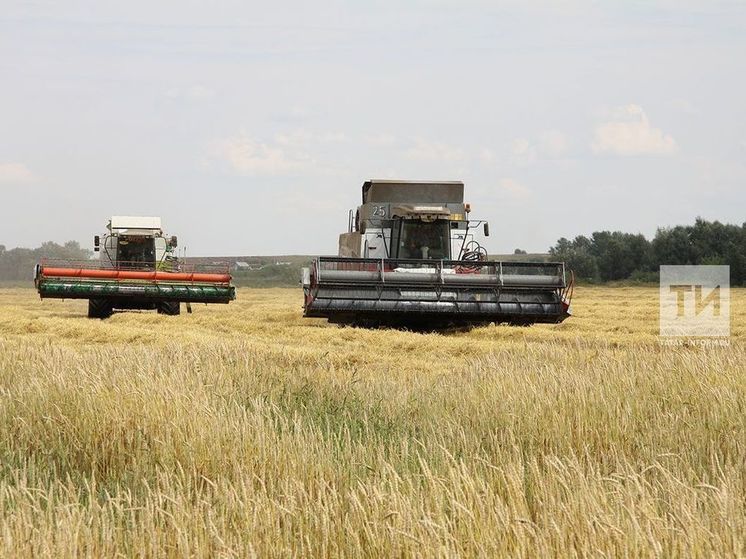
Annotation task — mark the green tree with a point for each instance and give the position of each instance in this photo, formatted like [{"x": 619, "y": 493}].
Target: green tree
[
  {"x": 17, "y": 264},
  {"x": 577, "y": 256}
]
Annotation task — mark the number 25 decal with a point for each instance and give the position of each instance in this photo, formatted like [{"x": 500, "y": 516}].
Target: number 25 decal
[{"x": 379, "y": 211}]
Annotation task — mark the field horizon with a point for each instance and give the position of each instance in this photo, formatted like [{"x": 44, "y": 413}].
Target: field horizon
[{"x": 245, "y": 430}]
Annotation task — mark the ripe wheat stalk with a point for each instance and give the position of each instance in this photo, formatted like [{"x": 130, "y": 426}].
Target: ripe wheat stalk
[{"x": 247, "y": 431}]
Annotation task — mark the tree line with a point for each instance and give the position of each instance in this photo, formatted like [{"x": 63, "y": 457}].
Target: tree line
[
  {"x": 613, "y": 256},
  {"x": 604, "y": 256},
  {"x": 17, "y": 264}
]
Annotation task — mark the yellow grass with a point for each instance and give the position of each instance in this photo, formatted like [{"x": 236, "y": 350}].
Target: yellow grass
[{"x": 245, "y": 430}]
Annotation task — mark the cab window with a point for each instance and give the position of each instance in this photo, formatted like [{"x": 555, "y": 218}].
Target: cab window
[{"x": 421, "y": 240}]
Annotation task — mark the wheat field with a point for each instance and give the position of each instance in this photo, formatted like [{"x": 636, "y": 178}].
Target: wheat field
[{"x": 248, "y": 431}]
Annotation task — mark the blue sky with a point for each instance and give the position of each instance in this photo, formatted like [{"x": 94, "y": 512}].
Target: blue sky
[{"x": 250, "y": 127}]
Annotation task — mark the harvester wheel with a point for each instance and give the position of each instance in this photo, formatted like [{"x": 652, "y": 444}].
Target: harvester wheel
[
  {"x": 99, "y": 308},
  {"x": 170, "y": 308}
]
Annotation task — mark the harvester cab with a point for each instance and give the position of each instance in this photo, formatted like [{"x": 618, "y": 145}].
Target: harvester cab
[
  {"x": 410, "y": 221},
  {"x": 133, "y": 242},
  {"x": 137, "y": 269},
  {"x": 410, "y": 258},
  {"x": 136, "y": 243}
]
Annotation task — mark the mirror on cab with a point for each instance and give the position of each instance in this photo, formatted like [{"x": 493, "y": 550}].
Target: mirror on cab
[
  {"x": 486, "y": 229},
  {"x": 174, "y": 241}
]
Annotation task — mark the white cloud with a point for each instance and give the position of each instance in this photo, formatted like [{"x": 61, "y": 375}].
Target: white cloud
[
  {"x": 629, "y": 132},
  {"x": 287, "y": 153},
  {"x": 303, "y": 137},
  {"x": 15, "y": 172},
  {"x": 550, "y": 144},
  {"x": 434, "y": 151},
  {"x": 248, "y": 156},
  {"x": 513, "y": 189}
]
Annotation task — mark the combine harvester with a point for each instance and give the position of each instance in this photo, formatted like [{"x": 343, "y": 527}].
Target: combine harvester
[
  {"x": 409, "y": 258},
  {"x": 137, "y": 270}
]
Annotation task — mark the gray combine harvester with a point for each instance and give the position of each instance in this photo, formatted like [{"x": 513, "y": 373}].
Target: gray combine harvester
[{"x": 409, "y": 258}]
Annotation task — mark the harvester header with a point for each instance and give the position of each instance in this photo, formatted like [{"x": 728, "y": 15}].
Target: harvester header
[{"x": 409, "y": 257}]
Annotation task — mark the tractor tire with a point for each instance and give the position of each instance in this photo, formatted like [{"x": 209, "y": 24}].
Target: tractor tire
[
  {"x": 99, "y": 308},
  {"x": 170, "y": 308}
]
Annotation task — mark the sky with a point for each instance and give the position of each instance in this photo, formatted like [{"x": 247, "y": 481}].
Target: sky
[{"x": 249, "y": 127}]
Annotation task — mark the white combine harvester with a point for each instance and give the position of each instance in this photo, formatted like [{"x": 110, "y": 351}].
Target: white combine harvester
[
  {"x": 137, "y": 270},
  {"x": 409, "y": 258}
]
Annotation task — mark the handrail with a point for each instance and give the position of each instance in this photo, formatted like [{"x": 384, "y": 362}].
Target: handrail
[{"x": 163, "y": 266}]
